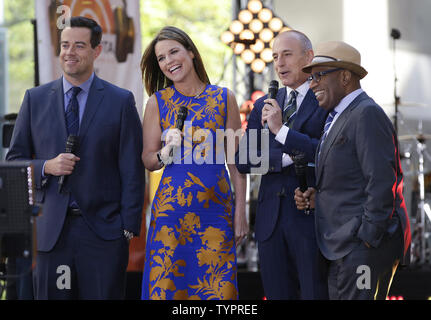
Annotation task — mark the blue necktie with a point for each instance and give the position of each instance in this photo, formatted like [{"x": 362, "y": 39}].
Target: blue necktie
[
  {"x": 289, "y": 111},
  {"x": 328, "y": 122},
  {"x": 72, "y": 125},
  {"x": 72, "y": 113}
]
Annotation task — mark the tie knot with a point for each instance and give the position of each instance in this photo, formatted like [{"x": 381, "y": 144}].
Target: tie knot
[
  {"x": 333, "y": 114},
  {"x": 75, "y": 91},
  {"x": 293, "y": 94}
]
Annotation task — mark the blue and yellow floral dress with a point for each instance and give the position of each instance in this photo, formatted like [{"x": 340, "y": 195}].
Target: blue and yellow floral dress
[{"x": 190, "y": 252}]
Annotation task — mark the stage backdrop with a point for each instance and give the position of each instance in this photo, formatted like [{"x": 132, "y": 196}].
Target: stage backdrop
[{"x": 121, "y": 41}]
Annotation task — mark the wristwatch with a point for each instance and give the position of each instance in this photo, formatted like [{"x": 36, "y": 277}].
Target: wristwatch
[
  {"x": 159, "y": 158},
  {"x": 129, "y": 235}
]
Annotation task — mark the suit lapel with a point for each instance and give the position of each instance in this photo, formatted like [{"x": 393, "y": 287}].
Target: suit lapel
[
  {"x": 334, "y": 132},
  {"x": 94, "y": 99},
  {"x": 56, "y": 101},
  {"x": 305, "y": 111},
  {"x": 281, "y": 97}
]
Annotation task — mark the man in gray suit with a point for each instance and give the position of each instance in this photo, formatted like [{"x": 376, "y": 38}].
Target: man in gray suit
[{"x": 362, "y": 225}]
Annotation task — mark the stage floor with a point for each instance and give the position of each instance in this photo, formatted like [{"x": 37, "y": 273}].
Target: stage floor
[{"x": 412, "y": 283}]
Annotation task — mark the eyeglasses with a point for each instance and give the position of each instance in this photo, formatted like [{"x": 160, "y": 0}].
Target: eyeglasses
[{"x": 317, "y": 76}]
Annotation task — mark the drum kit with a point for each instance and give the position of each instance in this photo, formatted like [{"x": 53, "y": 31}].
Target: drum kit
[{"x": 415, "y": 163}]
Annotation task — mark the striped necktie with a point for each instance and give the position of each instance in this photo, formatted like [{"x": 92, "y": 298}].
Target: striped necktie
[
  {"x": 72, "y": 125},
  {"x": 72, "y": 113},
  {"x": 328, "y": 122},
  {"x": 289, "y": 111}
]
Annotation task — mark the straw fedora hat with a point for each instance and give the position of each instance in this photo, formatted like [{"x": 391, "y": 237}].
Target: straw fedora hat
[{"x": 337, "y": 54}]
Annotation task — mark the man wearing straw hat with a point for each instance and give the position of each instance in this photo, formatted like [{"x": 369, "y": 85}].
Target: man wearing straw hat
[{"x": 361, "y": 220}]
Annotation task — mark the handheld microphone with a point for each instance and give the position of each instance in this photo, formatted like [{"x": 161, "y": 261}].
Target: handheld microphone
[
  {"x": 300, "y": 169},
  {"x": 181, "y": 117},
  {"x": 300, "y": 163},
  {"x": 395, "y": 34},
  {"x": 71, "y": 147},
  {"x": 272, "y": 94}
]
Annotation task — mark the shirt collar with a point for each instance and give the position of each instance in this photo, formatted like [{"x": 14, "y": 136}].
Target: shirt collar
[
  {"x": 301, "y": 90},
  {"x": 347, "y": 100},
  {"x": 85, "y": 86}
]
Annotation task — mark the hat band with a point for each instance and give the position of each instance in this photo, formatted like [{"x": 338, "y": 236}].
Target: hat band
[{"x": 321, "y": 59}]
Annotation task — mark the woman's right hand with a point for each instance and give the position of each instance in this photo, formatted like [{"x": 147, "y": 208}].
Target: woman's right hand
[{"x": 173, "y": 140}]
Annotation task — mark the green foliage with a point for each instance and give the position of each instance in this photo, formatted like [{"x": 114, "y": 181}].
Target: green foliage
[
  {"x": 203, "y": 21},
  {"x": 18, "y": 15}
]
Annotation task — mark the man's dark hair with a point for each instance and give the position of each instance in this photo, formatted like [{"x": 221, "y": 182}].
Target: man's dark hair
[{"x": 96, "y": 30}]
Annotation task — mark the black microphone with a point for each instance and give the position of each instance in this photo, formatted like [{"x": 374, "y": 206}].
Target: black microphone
[
  {"x": 395, "y": 34},
  {"x": 71, "y": 147},
  {"x": 181, "y": 117},
  {"x": 300, "y": 169},
  {"x": 300, "y": 163},
  {"x": 272, "y": 94}
]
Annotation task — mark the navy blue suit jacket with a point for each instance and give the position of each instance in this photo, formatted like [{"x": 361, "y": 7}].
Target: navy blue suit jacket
[
  {"x": 279, "y": 184},
  {"x": 107, "y": 182}
]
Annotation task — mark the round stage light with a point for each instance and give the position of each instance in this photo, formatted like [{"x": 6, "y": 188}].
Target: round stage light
[
  {"x": 256, "y": 25},
  {"x": 275, "y": 24},
  {"x": 266, "y": 55},
  {"x": 254, "y": 6},
  {"x": 266, "y": 35},
  {"x": 236, "y": 27},
  {"x": 258, "y": 46},
  {"x": 238, "y": 48},
  {"x": 246, "y": 35},
  {"x": 245, "y": 16},
  {"x": 265, "y": 15},
  {"x": 227, "y": 37},
  {"x": 258, "y": 66},
  {"x": 248, "y": 56}
]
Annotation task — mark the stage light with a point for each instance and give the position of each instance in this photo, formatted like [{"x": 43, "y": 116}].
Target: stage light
[
  {"x": 266, "y": 35},
  {"x": 254, "y": 30},
  {"x": 247, "y": 35},
  {"x": 236, "y": 27},
  {"x": 265, "y": 15},
  {"x": 238, "y": 48},
  {"x": 256, "y": 25},
  {"x": 248, "y": 56},
  {"x": 266, "y": 55},
  {"x": 245, "y": 16},
  {"x": 275, "y": 24},
  {"x": 254, "y": 6},
  {"x": 258, "y": 65},
  {"x": 227, "y": 37},
  {"x": 256, "y": 95},
  {"x": 258, "y": 46}
]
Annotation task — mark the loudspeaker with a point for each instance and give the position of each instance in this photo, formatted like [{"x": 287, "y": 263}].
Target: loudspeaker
[{"x": 16, "y": 209}]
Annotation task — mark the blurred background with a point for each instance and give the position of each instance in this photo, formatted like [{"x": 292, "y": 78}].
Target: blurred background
[{"x": 234, "y": 38}]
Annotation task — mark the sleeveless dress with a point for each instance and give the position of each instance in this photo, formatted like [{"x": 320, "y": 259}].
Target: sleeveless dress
[{"x": 190, "y": 252}]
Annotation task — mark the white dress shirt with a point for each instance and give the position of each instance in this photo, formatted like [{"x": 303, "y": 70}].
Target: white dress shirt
[{"x": 282, "y": 134}]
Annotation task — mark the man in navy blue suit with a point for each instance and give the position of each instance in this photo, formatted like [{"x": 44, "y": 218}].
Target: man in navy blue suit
[
  {"x": 85, "y": 225},
  {"x": 290, "y": 262}
]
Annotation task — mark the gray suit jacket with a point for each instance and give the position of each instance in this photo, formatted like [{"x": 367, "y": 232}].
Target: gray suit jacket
[{"x": 359, "y": 182}]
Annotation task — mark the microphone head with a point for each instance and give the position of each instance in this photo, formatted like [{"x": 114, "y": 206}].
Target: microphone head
[
  {"x": 395, "y": 33},
  {"x": 71, "y": 143},
  {"x": 273, "y": 89},
  {"x": 182, "y": 113},
  {"x": 181, "y": 117}
]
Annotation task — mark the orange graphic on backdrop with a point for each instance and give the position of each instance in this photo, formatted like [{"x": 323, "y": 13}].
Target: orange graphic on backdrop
[{"x": 98, "y": 10}]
